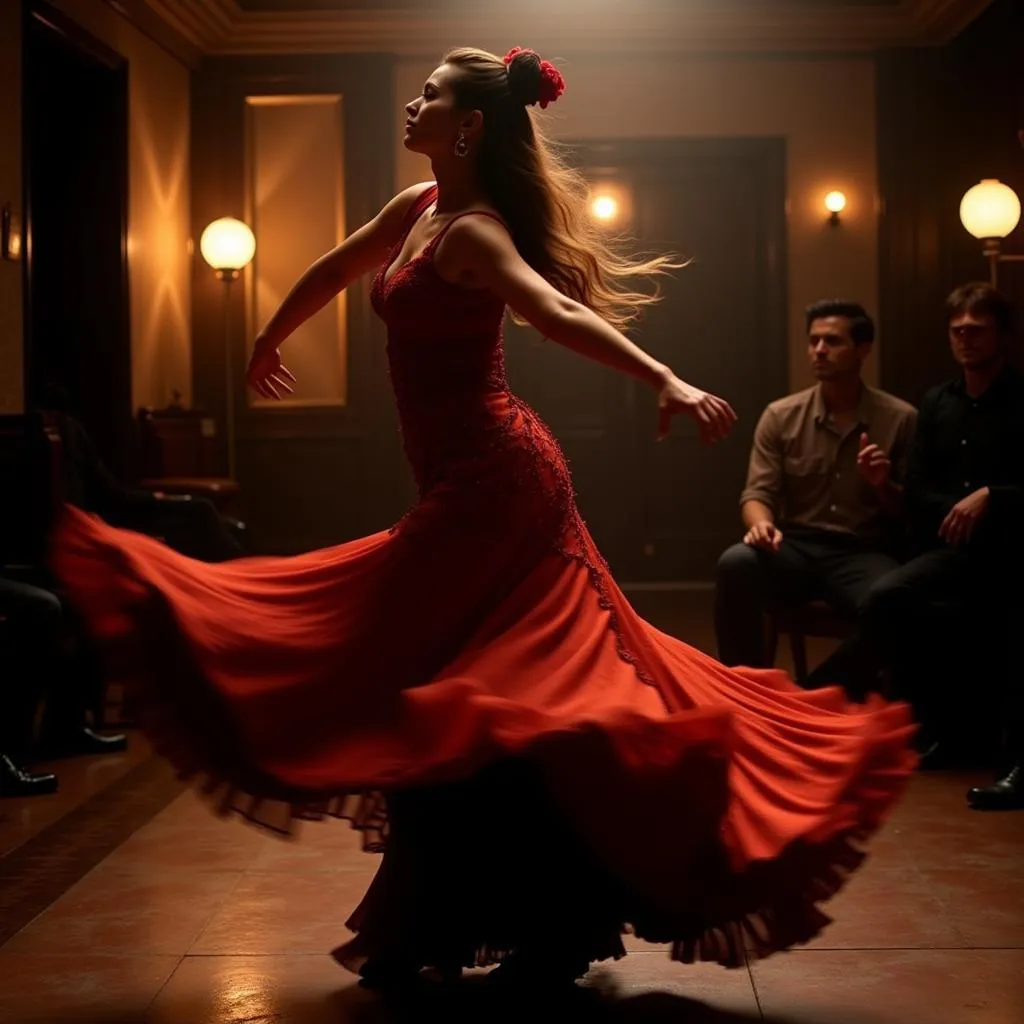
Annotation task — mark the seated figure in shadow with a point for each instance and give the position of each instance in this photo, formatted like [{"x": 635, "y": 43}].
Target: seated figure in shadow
[
  {"x": 965, "y": 505},
  {"x": 188, "y": 524},
  {"x": 822, "y": 502},
  {"x": 29, "y": 628}
]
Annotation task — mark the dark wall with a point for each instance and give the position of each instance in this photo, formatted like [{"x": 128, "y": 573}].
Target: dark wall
[
  {"x": 310, "y": 476},
  {"x": 722, "y": 322},
  {"x": 946, "y": 119}
]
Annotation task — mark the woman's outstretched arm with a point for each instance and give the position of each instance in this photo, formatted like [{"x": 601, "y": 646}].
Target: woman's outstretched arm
[
  {"x": 364, "y": 250},
  {"x": 480, "y": 250}
]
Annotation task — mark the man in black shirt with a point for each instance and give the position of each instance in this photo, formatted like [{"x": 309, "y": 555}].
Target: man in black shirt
[{"x": 965, "y": 502}]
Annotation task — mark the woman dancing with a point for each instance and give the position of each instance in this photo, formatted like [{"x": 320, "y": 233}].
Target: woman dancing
[{"x": 542, "y": 769}]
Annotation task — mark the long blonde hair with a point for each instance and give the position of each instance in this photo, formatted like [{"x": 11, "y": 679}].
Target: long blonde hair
[{"x": 542, "y": 199}]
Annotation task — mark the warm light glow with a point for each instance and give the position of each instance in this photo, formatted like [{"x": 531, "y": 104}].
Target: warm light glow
[
  {"x": 227, "y": 244},
  {"x": 990, "y": 209},
  {"x": 604, "y": 208},
  {"x": 835, "y": 202}
]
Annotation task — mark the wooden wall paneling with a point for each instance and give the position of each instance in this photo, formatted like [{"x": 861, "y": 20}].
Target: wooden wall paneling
[{"x": 315, "y": 475}]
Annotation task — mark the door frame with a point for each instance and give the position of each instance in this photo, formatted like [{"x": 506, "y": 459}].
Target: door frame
[{"x": 41, "y": 14}]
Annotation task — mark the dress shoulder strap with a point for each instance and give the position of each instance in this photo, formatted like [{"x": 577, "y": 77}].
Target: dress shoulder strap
[
  {"x": 423, "y": 200},
  {"x": 417, "y": 209},
  {"x": 468, "y": 213}
]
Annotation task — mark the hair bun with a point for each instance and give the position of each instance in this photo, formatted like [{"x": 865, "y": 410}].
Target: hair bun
[{"x": 532, "y": 80}]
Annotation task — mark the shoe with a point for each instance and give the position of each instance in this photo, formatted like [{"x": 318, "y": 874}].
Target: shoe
[
  {"x": 79, "y": 742},
  {"x": 389, "y": 977},
  {"x": 524, "y": 971},
  {"x": 1006, "y": 794},
  {"x": 15, "y": 781}
]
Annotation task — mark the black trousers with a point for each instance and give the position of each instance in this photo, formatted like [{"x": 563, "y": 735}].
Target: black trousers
[
  {"x": 29, "y": 641},
  {"x": 47, "y": 652},
  {"x": 809, "y": 565},
  {"x": 948, "y": 625}
]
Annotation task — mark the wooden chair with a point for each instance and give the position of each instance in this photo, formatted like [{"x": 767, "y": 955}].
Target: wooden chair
[
  {"x": 816, "y": 619},
  {"x": 178, "y": 455}
]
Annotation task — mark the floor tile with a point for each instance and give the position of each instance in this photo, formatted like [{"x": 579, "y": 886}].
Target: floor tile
[
  {"x": 246, "y": 990},
  {"x": 190, "y": 807},
  {"x": 84, "y": 988},
  {"x": 110, "y": 911},
  {"x": 167, "y": 846},
  {"x": 319, "y": 846},
  {"x": 892, "y": 987},
  {"x": 271, "y": 912},
  {"x": 887, "y": 908},
  {"x": 652, "y": 987},
  {"x": 80, "y": 778},
  {"x": 987, "y": 909}
]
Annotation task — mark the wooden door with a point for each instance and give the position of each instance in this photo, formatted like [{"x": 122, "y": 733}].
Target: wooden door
[{"x": 664, "y": 512}]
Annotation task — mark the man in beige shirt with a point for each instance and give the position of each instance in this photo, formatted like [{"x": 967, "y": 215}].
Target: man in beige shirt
[{"x": 822, "y": 501}]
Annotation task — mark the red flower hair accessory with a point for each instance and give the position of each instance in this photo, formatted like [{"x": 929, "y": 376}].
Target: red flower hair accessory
[{"x": 552, "y": 84}]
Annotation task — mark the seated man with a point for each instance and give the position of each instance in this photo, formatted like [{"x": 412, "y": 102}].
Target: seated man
[
  {"x": 27, "y": 642},
  {"x": 822, "y": 500},
  {"x": 37, "y": 661},
  {"x": 965, "y": 503}
]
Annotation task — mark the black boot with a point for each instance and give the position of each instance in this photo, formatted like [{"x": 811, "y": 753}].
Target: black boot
[
  {"x": 389, "y": 977},
  {"x": 1006, "y": 794},
  {"x": 15, "y": 781},
  {"x": 533, "y": 970}
]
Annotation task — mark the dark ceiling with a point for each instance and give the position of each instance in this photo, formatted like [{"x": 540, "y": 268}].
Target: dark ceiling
[{"x": 298, "y": 6}]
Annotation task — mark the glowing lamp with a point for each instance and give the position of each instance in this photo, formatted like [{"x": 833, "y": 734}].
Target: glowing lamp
[
  {"x": 227, "y": 245},
  {"x": 835, "y": 203},
  {"x": 990, "y": 209},
  {"x": 604, "y": 208}
]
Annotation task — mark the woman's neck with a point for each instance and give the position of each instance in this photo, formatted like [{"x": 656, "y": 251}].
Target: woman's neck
[{"x": 457, "y": 186}]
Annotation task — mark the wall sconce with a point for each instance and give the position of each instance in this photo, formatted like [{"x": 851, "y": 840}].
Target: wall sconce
[
  {"x": 10, "y": 233},
  {"x": 990, "y": 211},
  {"x": 835, "y": 203},
  {"x": 604, "y": 208},
  {"x": 610, "y": 204},
  {"x": 228, "y": 245}
]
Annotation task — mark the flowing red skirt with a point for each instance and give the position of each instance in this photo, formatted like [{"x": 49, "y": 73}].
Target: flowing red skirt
[{"x": 722, "y": 805}]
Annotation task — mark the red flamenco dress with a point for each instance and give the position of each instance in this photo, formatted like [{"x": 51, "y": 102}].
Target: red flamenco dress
[{"x": 475, "y": 694}]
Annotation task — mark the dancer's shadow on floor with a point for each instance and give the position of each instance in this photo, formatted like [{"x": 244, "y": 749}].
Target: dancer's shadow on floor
[
  {"x": 601, "y": 1001},
  {"x": 473, "y": 1001}
]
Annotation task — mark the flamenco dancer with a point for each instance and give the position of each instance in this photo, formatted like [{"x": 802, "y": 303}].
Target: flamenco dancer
[{"x": 541, "y": 769}]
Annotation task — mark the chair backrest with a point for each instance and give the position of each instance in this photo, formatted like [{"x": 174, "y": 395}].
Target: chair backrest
[{"x": 176, "y": 442}]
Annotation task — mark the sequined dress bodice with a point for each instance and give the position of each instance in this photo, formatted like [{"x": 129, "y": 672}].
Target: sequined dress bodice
[{"x": 447, "y": 370}]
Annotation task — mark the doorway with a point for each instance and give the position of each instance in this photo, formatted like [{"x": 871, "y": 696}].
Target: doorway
[
  {"x": 75, "y": 146},
  {"x": 662, "y": 513}
]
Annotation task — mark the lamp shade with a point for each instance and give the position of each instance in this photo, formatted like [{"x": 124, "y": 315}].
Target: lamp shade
[
  {"x": 227, "y": 244},
  {"x": 990, "y": 209},
  {"x": 604, "y": 207},
  {"x": 835, "y": 202}
]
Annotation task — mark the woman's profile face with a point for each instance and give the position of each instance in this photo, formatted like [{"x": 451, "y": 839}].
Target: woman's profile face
[{"x": 432, "y": 127}]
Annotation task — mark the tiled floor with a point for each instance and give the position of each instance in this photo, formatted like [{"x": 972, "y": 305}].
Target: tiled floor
[
  {"x": 199, "y": 921},
  {"x": 194, "y": 920},
  {"x": 81, "y": 778}
]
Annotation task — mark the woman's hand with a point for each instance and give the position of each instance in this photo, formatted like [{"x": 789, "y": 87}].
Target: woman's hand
[
  {"x": 267, "y": 375},
  {"x": 713, "y": 416}
]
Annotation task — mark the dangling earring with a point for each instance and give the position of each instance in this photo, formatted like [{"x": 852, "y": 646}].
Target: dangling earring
[{"x": 461, "y": 145}]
